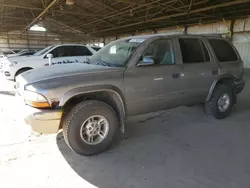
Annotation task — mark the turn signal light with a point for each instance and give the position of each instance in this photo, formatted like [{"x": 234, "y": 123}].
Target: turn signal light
[{"x": 38, "y": 104}]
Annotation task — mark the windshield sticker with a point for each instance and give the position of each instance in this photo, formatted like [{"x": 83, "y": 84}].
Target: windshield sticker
[{"x": 137, "y": 40}]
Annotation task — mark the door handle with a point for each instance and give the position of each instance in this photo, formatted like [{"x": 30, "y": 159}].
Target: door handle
[
  {"x": 158, "y": 79},
  {"x": 176, "y": 75}
]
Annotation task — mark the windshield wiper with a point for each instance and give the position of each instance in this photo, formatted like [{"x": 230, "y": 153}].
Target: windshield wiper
[{"x": 103, "y": 63}]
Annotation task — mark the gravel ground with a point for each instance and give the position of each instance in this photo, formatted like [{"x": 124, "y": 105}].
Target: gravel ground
[{"x": 176, "y": 148}]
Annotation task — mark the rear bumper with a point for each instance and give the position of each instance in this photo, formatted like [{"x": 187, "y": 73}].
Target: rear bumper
[{"x": 239, "y": 85}]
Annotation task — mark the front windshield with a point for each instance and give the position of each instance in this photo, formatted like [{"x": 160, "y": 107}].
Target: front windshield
[
  {"x": 43, "y": 51},
  {"x": 116, "y": 54},
  {"x": 22, "y": 51}
]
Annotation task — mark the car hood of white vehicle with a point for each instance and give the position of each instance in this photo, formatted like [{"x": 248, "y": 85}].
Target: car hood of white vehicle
[
  {"x": 23, "y": 58},
  {"x": 57, "y": 71}
]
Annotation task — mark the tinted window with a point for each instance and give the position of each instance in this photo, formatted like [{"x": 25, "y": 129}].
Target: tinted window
[
  {"x": 223, "y": 50},
  {"x": 62, "y": 51},
  {"x": 81, "y": 51},
  {"x": 161, "y": 52},
  {"x": 66, "y": 51},
  {"x": 193, "y": 51}
]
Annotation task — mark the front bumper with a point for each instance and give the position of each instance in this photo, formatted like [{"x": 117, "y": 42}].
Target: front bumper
[
  {"x": 239, "y": 85},
  {"x": 45, "y": 121}
]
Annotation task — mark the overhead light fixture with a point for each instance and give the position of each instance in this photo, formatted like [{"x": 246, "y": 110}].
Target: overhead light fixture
[
  {"x": 70, "y": 2},
  {"x": 37, "y": 28}
]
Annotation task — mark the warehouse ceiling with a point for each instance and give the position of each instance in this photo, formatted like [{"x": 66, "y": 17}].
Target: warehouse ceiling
[{"x": 97, "y": 18}]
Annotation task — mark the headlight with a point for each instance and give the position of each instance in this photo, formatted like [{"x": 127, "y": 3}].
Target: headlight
[
  {"x": 12, "y": 64},
  {"x": 35, "y": 99}
]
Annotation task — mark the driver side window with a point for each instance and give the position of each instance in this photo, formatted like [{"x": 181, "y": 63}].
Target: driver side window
[
  {"x": 159, "y": 52},
  {"x": 62, "y": 51},
  {"x": 57, "y": 52}
]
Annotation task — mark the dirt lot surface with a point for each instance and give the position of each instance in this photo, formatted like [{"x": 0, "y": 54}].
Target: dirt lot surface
[{"x": 177, "y": 148}]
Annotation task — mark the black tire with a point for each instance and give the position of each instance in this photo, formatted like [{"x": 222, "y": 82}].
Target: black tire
[
  {"x": 211, "y": 107},
  {"x": 21, "y": 71},
  {"x": 75, "y": 118}
]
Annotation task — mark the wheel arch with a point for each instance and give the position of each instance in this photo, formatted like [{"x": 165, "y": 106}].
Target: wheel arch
[
  {"x": 108, "y": 94},
  {"x": 21, "y": 69},
  {"x": 225, "y": 79}
]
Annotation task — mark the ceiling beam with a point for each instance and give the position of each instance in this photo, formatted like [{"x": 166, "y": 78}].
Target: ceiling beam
[
  {"x": 56, "y": 11},
  {"x": 44, "y": 12},
  {"x": 221, "y": 5},
  {"x": 65, "y": 25},
  {"x": 190, "y": 5},
  {"x": 123, "y": 12},
  {"x": 17, "y": 18},
  {"x": 165, "y": 11}
]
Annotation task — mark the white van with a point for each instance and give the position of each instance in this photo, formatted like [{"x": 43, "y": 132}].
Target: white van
[{"x": 61, "y": 54}]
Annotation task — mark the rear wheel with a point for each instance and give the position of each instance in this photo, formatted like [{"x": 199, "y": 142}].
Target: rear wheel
[
  {"x": 221, "y": 103},
  {"x": 90, "y": 127}
]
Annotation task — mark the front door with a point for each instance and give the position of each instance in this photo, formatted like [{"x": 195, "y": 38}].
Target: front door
[{"x": 153, "y": 84}]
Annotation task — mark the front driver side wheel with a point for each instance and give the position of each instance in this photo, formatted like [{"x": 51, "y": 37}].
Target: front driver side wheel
[
  {"x": 221, "y": 103},
  {"x": 90, "y": 127}
]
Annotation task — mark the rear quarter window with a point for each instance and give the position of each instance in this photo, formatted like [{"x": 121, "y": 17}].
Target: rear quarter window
[{"x": 223, "y": 50}]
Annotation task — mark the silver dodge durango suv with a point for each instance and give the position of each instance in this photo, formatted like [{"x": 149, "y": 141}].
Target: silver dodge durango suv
[{"x": 130, "y": 76}]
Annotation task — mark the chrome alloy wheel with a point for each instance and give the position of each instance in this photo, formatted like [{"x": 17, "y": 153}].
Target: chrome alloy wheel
[
  {"x": 94, "y": 129},
  {"x": 223, "y": 102}
]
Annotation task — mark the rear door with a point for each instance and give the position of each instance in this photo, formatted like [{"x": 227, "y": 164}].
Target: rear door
[
  {"x": 227, "y": 57},
  {"x": 198, "y": 70},
  {"x": 153, "y": 87}
]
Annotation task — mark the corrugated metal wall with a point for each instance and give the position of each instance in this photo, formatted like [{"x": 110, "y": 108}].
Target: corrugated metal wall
[
  {"x": 242, "y": 42},
  {"x": 241, "y": 39}
]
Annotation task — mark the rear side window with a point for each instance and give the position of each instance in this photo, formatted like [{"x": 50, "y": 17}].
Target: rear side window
[
  {"x": 81, "y": 51},
  {"x": 193, "y": 51},
  {"x": 61, "y": 51},
  {"x": 223, "y": 50}
]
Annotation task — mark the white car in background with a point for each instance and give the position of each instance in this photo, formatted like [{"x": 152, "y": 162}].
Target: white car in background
[
  {"x": 59, "y": 54},
  {"x": 22, "y": 53}
]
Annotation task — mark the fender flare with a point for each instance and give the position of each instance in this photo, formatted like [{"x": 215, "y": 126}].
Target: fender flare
[
  {"x": 211, "y": 90},
  {"x": 117, "y": 94}
]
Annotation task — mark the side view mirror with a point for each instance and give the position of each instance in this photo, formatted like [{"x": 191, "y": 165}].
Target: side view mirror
[
  {"x": 146, "y": 60},
  {"x": 49, "y": 55}
]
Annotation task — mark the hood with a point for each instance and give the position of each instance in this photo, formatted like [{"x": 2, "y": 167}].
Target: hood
[
  {"x": 23, "y": 58},
  {"x": 57, "y": 71}
]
